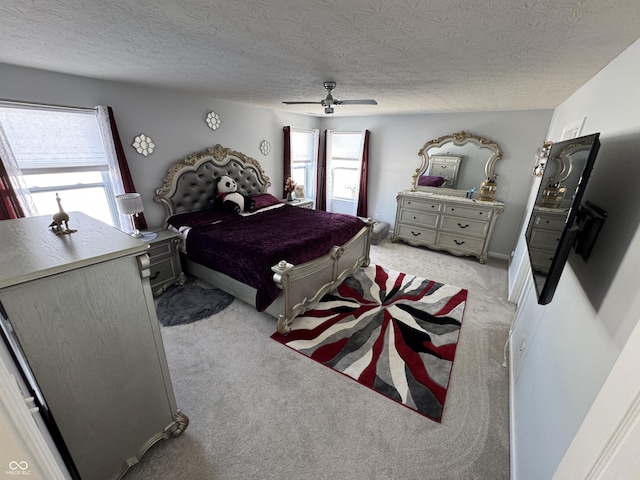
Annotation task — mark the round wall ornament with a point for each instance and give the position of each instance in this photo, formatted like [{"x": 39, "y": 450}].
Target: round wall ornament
[
  {"x": 265, "y": 147},
  {"x": 143, "y": 144},
  {"x": 213, "y": 120}
]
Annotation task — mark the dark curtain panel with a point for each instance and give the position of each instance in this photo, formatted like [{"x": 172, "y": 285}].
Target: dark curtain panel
[
  {"x": 129, "y": 187},
  {"x": 287, "y": 157},
  {"x": 321, "y": 186},
  {"x": 9, "y": 205},
  {"x": 363, "y": 198}
]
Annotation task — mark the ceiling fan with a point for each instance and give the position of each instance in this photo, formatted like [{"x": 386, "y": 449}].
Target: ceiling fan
[{"x": 328, "y": 102}]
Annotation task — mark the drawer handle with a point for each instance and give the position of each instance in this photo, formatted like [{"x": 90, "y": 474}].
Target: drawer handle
[
  {"x": 463, "y": 226},
  {"x": 414, "y": 218},
  {"x": 458, "y": 243},
  {"x": 415, "y": 234},
  {"x": 155, "y": 275},
  {"x": 452, "y": 209},
  {"x": 480, "y": 213}
]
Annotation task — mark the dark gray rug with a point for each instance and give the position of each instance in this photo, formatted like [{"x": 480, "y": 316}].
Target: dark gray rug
[{"x": 189, "y": 303}]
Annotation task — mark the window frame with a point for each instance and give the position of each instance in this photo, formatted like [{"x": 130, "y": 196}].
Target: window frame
[
  {"x": 331, "y": 160},
  {"x": 311, "y": 162},
  {"x": 107, "y": 174}
]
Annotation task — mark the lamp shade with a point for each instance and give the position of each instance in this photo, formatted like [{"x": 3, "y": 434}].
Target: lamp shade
[{"x": 129, "y": 203}]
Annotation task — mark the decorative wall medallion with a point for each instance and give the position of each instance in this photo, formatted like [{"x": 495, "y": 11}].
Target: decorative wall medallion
[
  {"x": 143, "y": 144},
  {"x": 265, "y": 147},
  {"x": 213, "y": 120}
]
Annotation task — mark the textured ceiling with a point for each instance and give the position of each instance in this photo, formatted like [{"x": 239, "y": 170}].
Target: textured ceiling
[{"x": 411, "y": 56}]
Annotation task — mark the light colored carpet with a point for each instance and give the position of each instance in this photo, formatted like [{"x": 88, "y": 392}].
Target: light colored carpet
[{"x": 259, "y": 410}]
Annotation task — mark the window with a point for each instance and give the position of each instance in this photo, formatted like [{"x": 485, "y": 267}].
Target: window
[
  {"x": 344, "y": 161},
  {"x": 61, "y": 151},
  {"x": 304, "y": 160}
]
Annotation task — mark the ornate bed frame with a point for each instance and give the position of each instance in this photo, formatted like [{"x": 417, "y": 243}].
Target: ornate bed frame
[{"x": 189, "y": 185}]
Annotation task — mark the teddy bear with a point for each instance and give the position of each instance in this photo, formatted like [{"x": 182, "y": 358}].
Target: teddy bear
[{"x": 230, "y": 199}]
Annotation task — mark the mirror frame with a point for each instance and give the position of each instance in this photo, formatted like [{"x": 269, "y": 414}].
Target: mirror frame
[
  {"x": 460, "y": 139},
  {"x": 564, "y": 165}
]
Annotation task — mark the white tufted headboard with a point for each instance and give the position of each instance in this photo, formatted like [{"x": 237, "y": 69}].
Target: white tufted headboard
[{"x": 190, "y": 183}]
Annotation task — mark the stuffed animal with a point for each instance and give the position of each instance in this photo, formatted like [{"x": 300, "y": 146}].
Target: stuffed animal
[{"x": 230, "y": 198}]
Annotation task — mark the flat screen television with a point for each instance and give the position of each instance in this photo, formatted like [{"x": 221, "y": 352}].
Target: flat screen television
[{"x": 552, "y": 229}]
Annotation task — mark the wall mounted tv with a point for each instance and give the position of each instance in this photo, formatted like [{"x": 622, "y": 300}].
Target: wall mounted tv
[{"x": 552, "y": 229}]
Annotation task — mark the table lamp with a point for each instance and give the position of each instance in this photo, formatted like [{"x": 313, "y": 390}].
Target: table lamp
[{"x": 131, "y": 204}]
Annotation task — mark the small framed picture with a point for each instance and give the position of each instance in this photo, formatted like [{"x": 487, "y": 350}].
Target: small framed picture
[{"x": 299, "y": 191}]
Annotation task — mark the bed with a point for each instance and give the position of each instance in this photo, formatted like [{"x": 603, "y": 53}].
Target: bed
[{"x": 299, "y": 265}]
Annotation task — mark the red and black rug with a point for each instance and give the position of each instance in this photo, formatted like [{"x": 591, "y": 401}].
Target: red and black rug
[{"x": 390, "y": 331}]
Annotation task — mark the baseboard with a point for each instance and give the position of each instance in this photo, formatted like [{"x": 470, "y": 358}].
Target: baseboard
[
  {"x": 500, "y": 256},
  {"x": 512, "y": 419}
]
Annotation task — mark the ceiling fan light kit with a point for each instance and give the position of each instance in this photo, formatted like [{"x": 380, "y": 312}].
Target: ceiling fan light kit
[{"x": 329, "y": 102}]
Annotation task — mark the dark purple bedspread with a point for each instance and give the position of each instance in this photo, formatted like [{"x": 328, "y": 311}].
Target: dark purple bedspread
[{"x": 245, "y": 248}]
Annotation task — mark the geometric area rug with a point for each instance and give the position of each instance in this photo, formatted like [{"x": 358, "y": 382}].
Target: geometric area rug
[{"x": 392, "y": 332}]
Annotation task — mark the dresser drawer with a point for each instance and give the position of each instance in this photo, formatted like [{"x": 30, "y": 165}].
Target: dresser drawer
[
  {"x": 550, "y": 222},
  {"x": 421, "y": 218},
  {"x": 470, "y": 212},
  {"x": 541, "y": 259},
  {"x": 423, "y": 205},
  {"x": 443, "y": 169},
  {"x": 417, "y": 234},
  {"x": 466, "y": 226},
  {"x": 159, "y": 249},
  {"x": 469, "y": 245},
  {"x": 164, "y": 258},
  {"x": 545, "y": 238},
  {"x": 163, "y": 273}
]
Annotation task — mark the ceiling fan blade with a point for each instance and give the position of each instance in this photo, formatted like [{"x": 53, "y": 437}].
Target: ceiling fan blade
[
  {"x": 356, "y": 102},
  {"x": 302, "y": 103}
]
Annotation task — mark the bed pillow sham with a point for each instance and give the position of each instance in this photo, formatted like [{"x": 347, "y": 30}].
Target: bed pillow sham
[
  {"x": 263, "y": 200},
  {"x": 198, "y": 218},
  {"x": 430, "y": 181}
]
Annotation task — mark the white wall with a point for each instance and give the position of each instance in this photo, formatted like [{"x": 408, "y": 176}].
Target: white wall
[
  {"x": 396, "y": 139},
  {"x": 571, "y": 344},
  {"x": 175, "y": 122}
]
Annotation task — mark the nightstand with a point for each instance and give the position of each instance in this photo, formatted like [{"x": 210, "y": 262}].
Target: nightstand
[
  {"x": 300, "y": 202},
  {"x": 164, "y": 257}
]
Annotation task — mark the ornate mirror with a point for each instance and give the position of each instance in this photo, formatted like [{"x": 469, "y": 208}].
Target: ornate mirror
[{"x": 456, "y": 163}]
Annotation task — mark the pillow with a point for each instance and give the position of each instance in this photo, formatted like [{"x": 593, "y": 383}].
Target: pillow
[
  {"x": 197, "y": 218},
  {"x": 263, "y": 200},
  {"x": 430, "y": 181}
]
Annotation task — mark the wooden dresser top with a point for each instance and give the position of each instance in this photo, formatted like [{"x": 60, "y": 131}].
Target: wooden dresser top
[{"x": 29, "y": 249}]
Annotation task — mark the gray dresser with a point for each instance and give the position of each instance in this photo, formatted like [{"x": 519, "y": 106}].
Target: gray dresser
[
  {"x": 543, "y": 236},
  {"x": 446, "y": 167},
  {"x": 81, "y": 309},
  {"x": 444, "y": 222}
]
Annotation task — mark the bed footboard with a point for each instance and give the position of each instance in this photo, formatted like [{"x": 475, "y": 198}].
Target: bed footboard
[{"x": 303, "y": 286}]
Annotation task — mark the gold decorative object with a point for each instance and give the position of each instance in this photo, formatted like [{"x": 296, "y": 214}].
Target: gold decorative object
[
  {"x": 552, "y": 196},
  {"x": 487, "y": 190},
  {"x": 60, "y": 224}
]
